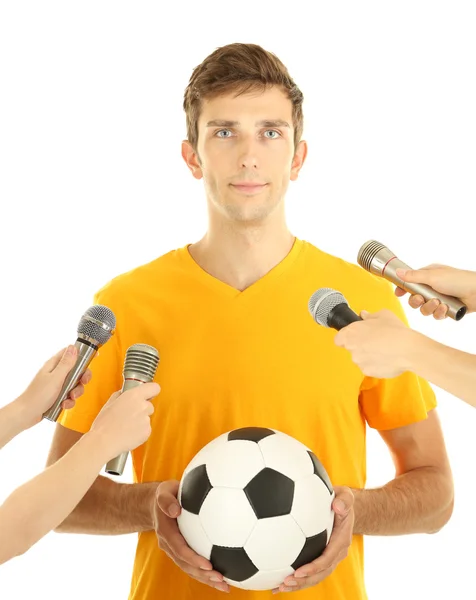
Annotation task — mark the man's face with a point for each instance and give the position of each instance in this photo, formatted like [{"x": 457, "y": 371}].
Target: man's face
[{"x": 246, "y": 153}]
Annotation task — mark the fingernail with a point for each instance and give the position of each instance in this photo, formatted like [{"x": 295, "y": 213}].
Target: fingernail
[
  {"x": 363, "y": 313},
  {"x": 173, "y": 510},
  {"x": 401, "y": 272},
  {"x": 215, "y": 579},
  {"x": 339, "y": 505},
  {"x": 291, "y": 583},
  {"x": 69, "y": 351}
]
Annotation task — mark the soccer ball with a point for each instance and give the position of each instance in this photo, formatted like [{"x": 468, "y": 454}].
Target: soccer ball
[{"x": 256, "y": 503}]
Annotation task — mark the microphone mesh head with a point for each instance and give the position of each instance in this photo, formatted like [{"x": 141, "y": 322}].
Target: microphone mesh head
[
  {"x": 141, "y": 362},
  {"x": 98, "y": 323},
  {"x": 322, "y": 302},
  {"x": 368, "y": 252}
]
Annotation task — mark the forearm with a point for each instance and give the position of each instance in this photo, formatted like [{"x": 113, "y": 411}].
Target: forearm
[
  {"x": 448, "y": 368},
  {"x": 419, "y": 501},
  {"x": 13, "y": 420},
  {"x": 112, "y": 508},
  {"x": 39, "y": 505}
]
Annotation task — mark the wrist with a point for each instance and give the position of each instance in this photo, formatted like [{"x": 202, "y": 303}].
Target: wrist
[
  {"x": 24, "y": 414},
  {"x": 413, "y": 349},
  {"x": 99, "y": 445}
]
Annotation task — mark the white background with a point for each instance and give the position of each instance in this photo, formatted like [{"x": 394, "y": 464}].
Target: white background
[{"x": 92, "y": 184}]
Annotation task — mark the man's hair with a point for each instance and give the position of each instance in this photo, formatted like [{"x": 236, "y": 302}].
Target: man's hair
[{"x": 238, "y": 68}]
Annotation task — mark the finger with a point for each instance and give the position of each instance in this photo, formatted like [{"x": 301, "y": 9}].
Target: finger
[
  {"x": 170, "y": 532},
  {"x": 68, "y": 404},
  {"x": 416, "y": 301},
  {"x": 66, "y": 362},
  {"x": 211, "y": 578},
  {"x": 429, "y": 307},
  {"x": 76, "y": 392},
  {"x": 343, "y": 501},
  {"x": 294, "y": 585},
  {"x": 51, "y": 363},
  {"x": 86, "y": 378},
  {"x": 167, "y": 498},
  {"x": 149, "y": 410},
  {"x": 415, "y": 275},
  {"x": 151, "y": 390},
  {"x": 399, "y": 292},
  {"x": 441, "y": 312}
]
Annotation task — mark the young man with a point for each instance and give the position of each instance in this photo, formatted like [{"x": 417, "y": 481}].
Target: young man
[
  {"x": 382, "y": 346},
  {"x": 36, "y": 507},
  {"x": 229, "y": 317}
]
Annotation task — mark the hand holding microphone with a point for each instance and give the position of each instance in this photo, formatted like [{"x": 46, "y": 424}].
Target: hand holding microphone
[
  {"x": 380, "y": 343},
  {"x": 379, "y": 260},
  {"x": 95, "y": 328},
  {"x": 140, "y": 366},
  {"x": 45, "y": 387},
  {"x": 124, "y": 421},
  {"x": 444, "y": 279}
]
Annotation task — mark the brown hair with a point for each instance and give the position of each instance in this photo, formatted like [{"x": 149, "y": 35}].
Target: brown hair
[{"x": 238, "y": 68}]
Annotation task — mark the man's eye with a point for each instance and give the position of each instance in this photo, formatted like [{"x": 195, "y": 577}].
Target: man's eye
[
  {"x": 223, "y": 133},
  {"x": 274, "y": 133}
]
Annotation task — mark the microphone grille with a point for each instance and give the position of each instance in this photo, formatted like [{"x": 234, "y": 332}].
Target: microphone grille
[
  {"x": 141, "y": 362},
  {"x": 368, "y": 252},
  {"x": 322, "y": 302},
  {"x": 98, "y": 323}
]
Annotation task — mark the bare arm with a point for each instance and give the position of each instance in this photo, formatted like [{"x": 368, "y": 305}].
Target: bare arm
[
  {"x": 383, "y": 346},
  {"x": 39, "y": 505},
  {"x": 452, "y": 370},
  {"x": 109, "y": 507},
  {"x": 13, "y": 421},
  {"x": 42, "y": 503},
  {"x": 420, "y": 498}
]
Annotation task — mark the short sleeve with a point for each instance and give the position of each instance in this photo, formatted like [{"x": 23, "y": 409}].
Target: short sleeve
[
  {"x": 106, "y": 368},
  {"x": 399, "y": 401}
]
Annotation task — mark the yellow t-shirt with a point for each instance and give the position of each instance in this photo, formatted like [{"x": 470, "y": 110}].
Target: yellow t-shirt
[{"x": 231, "y": 359}]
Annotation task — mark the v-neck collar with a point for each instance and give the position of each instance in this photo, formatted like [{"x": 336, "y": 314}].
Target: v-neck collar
[{"x": 229, "y": 291}]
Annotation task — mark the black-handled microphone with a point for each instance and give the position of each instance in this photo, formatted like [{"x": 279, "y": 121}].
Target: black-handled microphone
[
  {"x": 140, "y": 366},
  {"x": 95, "y": 329},
  {"x": 330, "y": 309}
]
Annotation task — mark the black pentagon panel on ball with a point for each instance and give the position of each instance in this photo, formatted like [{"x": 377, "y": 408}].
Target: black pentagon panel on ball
[
  {"x": 250, "y": 434},
  {"x": 270, "y": 494},
  {"x": 196, "y": 486},
  {"x": 321, "y": 472},
  {"x": 232, "y": 563},
  {"x": 312, "y": 549}
]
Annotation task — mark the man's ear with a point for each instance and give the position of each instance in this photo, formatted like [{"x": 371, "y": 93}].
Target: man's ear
[{"x": 192, "y": 160}]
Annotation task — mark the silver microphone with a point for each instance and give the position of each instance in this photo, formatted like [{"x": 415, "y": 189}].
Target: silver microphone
[
  {"x": 95, "y": 328},
  {"x": 140, "y": 366},
  {"x": 379, "y": 260}
]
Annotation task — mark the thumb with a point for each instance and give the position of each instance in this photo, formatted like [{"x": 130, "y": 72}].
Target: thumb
[
  {"x": 167, "y": 498},
  {"x": 343, "y": 501},
  {"x": 414, "y": 275},
  {"x": 67, "y": 361}
]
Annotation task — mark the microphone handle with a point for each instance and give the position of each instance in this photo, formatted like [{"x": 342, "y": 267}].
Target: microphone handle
[
  {"x": 341, "y": 316},
  {"x": 115, "y": 466},
  {"x": 86, "y": 352},
  {"x": 456, "y": 308}
]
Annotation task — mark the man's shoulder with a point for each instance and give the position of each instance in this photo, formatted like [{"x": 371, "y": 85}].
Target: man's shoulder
[
  {"x": 346, "y": 277},
  {"x": 151, "y": 273}
]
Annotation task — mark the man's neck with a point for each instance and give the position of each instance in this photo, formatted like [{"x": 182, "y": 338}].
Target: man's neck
[{"x": 239, "y": 256}]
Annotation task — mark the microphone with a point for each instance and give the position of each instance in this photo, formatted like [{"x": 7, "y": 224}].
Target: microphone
[
  {"x": 330, "y": 309},
  {"x": 95, "y": 328},
  {"x": 140, "y": 366},
  {"x": 379, "y": 260}
]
